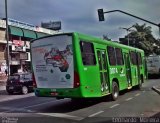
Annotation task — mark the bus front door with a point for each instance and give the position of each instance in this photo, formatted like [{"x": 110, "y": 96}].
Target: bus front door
[
  {"x": 139, "y": 67},
  {"x": 103, "y": 69},
  {"x": 128, "y": 70}
]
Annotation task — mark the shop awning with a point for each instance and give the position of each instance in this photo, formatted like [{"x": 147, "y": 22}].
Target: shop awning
[
  {"x": 29, "y": 34},
  {"x": 39, "y": 34},
  {"x": 15, "y": 31}
]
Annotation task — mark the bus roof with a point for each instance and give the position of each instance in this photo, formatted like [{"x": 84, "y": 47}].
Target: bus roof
[
  {"x": 103, "y": 41},
  {"x": 96, "y": 39}
]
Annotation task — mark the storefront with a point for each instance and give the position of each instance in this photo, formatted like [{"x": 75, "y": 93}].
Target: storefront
[{"x": 20, "y": 35}]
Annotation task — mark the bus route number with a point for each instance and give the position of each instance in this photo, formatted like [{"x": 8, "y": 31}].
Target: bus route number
[{"x": 113, "y": 70}]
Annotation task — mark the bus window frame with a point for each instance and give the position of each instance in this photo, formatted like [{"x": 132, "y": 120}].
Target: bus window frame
[
  {"x": 117, "y": 58},
  {"x": 133, "y": 58},
  {"x": 87, "y": 54},
  {"x": 114, "y": 56}
]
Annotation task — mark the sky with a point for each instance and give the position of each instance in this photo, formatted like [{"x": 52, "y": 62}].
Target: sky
[{"x": 81, "y": 15}]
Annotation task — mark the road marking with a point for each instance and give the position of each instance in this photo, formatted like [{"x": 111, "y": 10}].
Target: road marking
[
  {"x": 114, "y": 105},
  {"x": 10, "y": 109},
  {"x": 24, "y": 108},
  {"x": 41, "y": 104},
  {"x": 137, "y": 94},
  {"x": 92, "y": 115},
  {"x": 60, "y": 115},
  {"x": 128, "y": 99},
  {"x": 13, "y": 97}
]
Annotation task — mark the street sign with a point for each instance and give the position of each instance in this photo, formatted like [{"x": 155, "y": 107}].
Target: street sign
[{"x": 52, "y": 25}]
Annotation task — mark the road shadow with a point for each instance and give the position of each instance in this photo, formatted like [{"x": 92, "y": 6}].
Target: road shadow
[
  {"x": 154, "y": 76},
  {"x": 68, "y": 105}
]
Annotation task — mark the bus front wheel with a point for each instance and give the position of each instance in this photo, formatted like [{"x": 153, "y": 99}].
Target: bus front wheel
[{"x": 115, "y": 91}]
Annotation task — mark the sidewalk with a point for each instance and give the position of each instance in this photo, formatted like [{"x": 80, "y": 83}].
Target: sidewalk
[{"x": 3, "y": 83}]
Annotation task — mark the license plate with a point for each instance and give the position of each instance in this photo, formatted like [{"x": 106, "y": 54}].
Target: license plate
[
  {"x": 54, "y": 93},
  {"x": 10, "y": 87}
]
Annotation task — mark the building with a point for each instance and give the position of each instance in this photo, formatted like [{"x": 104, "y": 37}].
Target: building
[{"x": 20, "y": 35}]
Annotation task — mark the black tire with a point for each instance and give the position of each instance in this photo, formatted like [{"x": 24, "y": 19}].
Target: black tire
[
  {"x": 10, "y": 92},
  {"x": 24, "y": 90},
  {"x": 115, "y": 91}
]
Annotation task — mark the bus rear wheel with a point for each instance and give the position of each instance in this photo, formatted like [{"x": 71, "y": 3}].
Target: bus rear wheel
[{"x": 115, "y": 91}]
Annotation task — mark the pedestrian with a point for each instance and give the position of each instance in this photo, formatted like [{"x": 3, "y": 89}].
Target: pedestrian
[{"x": 6, "y": 72}]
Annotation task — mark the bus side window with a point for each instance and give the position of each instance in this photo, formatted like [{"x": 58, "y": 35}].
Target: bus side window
[
  {"x": 111, "y": 55},
  {"x": 139, "y": 59},
  {"x": 87, "y": 51},
  {"x": 119, "y": 56},
  {"x": 133, "y": 58}
]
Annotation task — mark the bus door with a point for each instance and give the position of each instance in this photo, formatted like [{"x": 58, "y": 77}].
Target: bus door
[
  {"x": 138, "y": 58},
  {"x": 145, "y": 67},
  {"x": 135, "y": 68},
  {"x": 128, "y": 69},
  {"x": 103, "y": 69}
]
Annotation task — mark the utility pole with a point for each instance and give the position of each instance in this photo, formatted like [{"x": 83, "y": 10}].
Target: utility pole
[{"x": 7, "y": 38}]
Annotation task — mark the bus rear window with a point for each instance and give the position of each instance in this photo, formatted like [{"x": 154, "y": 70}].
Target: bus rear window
[{"x": 88, "y": 55}]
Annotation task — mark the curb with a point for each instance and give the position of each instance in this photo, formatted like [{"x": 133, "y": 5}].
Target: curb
[{"x": 156, "y": 89}]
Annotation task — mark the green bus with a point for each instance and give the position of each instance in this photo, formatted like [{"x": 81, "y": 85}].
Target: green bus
[{"x": 78, "y": 66}]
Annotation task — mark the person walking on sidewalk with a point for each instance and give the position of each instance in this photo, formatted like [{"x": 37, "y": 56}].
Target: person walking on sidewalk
[{"x": 6, "y": 72}]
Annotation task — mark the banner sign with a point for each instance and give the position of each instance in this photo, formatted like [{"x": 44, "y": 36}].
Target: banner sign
[
  {"x": 18, "y": 43},
  {"x": 52, "y": 25},
  {"x": 18, "y": 48},
  {"x": 2, "y": 24}
]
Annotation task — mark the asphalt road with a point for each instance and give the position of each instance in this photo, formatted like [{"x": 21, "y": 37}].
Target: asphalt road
[{"x": 144, "y": 104}]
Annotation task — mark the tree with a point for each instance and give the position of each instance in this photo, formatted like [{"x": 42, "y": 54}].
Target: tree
[
  {"x": 142, "y": 38},
  {"x": 106, "y": 37}
]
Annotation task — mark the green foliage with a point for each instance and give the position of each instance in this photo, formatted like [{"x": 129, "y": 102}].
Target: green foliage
[
  {"x": 141, "y": 37},
  {"x": 106, "y": 37}
]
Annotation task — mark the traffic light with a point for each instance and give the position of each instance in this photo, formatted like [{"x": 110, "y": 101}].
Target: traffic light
[{"x": 100, "y": 14}]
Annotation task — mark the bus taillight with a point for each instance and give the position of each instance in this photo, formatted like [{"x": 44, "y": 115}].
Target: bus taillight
[
  {"x": 76, "y": 80},
  {"x": 34, "y": 81}
]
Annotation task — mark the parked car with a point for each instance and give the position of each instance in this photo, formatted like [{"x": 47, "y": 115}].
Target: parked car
[{"x": 19, "y": 82}]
